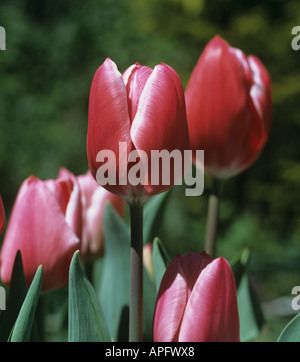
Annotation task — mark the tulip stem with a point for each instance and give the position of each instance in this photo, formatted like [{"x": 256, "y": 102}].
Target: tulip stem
[
  {"x": 213, "y": 218},
  {"x": 136, "y": 274}
]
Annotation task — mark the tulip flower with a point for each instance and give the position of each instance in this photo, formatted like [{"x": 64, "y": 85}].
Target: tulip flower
[
  {"x": 131, "y": 115},
  {"x": 2, "y": 215},
  {"x": 94, "y": 199},
  {"x": 228, "y": 102},
  {"x": 197, "y": 301},
  {"x": 45, "y": 225}
]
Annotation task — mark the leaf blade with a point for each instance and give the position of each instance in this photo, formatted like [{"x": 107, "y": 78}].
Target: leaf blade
[
  {"x": 291, "y": 332},
  {"x": 115, "y": 283},
  {"x": 16, "y": 295},
  {"x": 22, "y": 329},
  {"x": 86, "y": 319},
  {"x": 160, "y": 261},
  {"x": 153, "y": 215}
]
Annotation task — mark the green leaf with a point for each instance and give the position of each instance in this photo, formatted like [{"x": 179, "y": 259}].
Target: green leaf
[
  {"x": 153, "y": 215},
  {"x": 86, "y": 319},
  {"x": 22, "y": 329},
  {"x": 160, "y": 261},
  {"x": 149, "y": 299},
  {"x": 239, "y": 264},
  {"x": 16, "y": 295},
  {"x": 250, "y": 313},
  {"x": 115, "y": 283},
  {"x": 291, "y": 332}
]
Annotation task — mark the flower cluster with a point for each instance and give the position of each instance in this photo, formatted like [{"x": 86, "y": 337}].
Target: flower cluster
[{"x": 225, "y": 111}]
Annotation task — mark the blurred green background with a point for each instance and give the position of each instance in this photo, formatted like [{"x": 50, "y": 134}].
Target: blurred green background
[{"x": 53, "y": 49}]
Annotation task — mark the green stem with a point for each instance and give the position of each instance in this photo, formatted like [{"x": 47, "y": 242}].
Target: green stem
[
  {"x": 213, "y": 218},
  {"x": 136, "y": 274}
]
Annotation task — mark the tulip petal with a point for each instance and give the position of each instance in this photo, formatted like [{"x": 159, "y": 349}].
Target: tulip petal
[
  {"x": 261, "y": 90},
  {"x": 161, "y": 107},
  {"x": 73, "y": 215},
  {"x": 61, "y": 189},
  {"x": 94, "y": 220},
  {"x": 109, "y": 121},
  {"x": 38, "y": 229},
  {"x": 88, "y": 186},
  {"x": 260, "y": 106},
  {"x": 66, "y": 190},
  {"x": 192, "y": 265},
  {"x": 135, "y": 83},
  {"x": 76, "y": 202},
  {"x": 170, "y": 305},
  {"x": 211, "y": 314}
]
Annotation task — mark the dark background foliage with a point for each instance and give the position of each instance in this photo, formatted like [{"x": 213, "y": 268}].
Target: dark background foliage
[{"x": 53, "y": 49}]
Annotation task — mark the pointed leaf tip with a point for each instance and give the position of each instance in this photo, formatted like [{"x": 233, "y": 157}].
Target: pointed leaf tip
[
  {"x": 23, "y": 325},
  {"x": 86, "y": 319}
]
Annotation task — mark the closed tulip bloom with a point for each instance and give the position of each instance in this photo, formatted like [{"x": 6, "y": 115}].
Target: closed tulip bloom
[
  {"x": 197, "y": 301},
  {"x": 143, "y": 109},
  {"x": 2, "y": 215},
  {"x": 45, "y": 225},
  {"x": 228, "y": 100},
  {"x": 94, "y": 199}
]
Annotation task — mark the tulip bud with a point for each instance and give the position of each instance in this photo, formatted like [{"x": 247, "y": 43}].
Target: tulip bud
[
  {"x": 197, "y": 301},
  {"x": 94, "y": 199},
  {"x": 45, "y": 225},
  {"x": 129, "y": 117},
  {"x": 228, "y": 100}
]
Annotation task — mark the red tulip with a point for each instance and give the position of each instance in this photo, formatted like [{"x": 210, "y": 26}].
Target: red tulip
[
  {"x": 197, "y": 301},
  {"x": 45, "y": 225},
  {"x": 2, "y": 215},
  {"x": 94, "y": 199},
  {"x": 144, "y": 110},
  {"x": 228, "y": 100}
]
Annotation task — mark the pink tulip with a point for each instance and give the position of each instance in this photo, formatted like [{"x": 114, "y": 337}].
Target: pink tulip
[
  {"x": 45, "y": 225},
  {"x": 94, "y": 199},
  {"x": 197, "y": 301},
  {"x": 143, "y": 109},
  {"x": 2, "y": 215},
  {"x": 228, "y": 103}
]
